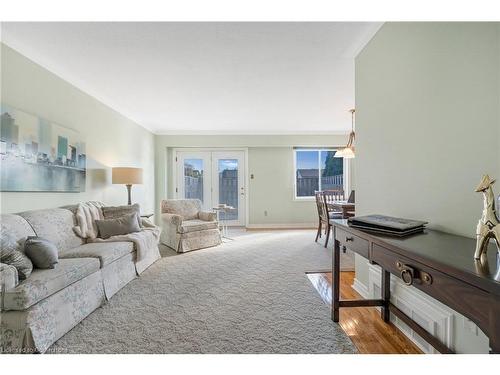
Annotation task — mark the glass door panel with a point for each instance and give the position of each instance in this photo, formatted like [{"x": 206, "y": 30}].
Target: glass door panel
[
  {"x": 193, "y": 179},
  {"x": 228, "y": 186},
  {"x": 228, "y": 179}
]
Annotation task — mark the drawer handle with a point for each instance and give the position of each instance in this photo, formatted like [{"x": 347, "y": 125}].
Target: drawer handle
[
  {"x": 347, "y": 239},
  {"x": 409, "y": 275}
]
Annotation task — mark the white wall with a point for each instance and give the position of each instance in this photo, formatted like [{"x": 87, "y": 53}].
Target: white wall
[
  {"x": 111, "y": 139},
  {"x": 427, "y": 110}
]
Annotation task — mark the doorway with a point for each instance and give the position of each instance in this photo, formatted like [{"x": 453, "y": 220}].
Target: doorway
[{"x": 214, "y": 177}]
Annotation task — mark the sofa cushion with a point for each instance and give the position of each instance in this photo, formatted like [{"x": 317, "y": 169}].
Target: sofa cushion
[
  {"x": 42, "y": 252},
  {"x": 187, "y": 208},
  {"x": 19, "y": 261},
  {"x": 56, "y": 225},
  {"x": 115, "y": 212},
  {"x": 106, "y": 252},
  {"x": 43, "y": 283},
  {"x": 115, "y": 227},
  {"x": 10, "y": 254},
  {"x": 196, "y": 225}
]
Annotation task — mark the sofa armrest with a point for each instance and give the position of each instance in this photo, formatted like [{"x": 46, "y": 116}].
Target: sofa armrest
[
  {"x": 9, "y": 277},
  {"x": 171, "y": 219},
  {"x": 207, "y": 216}
]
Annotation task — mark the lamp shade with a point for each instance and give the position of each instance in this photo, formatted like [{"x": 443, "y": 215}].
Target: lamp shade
[
  {"x": 348, "y": 153},
  {"x": 339, "y": 153},
  {"x": 127, "y": 176}
]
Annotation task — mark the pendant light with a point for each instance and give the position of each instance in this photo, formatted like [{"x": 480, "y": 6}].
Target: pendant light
[{"x": 348, "y": 151}]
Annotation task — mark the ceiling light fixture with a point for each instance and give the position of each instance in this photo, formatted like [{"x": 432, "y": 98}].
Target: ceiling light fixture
[{"x": 348, "y": 151}]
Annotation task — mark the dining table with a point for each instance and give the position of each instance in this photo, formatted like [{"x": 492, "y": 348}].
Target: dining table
[{"x": 346, "y": 208}]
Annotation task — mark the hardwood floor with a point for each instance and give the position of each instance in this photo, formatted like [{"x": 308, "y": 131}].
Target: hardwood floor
[{"x": 363, "y": 325}]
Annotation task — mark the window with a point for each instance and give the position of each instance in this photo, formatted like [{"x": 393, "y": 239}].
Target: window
[{"x": 317, "y": 169}]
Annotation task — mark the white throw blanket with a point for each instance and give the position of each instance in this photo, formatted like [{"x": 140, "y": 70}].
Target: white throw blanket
[
  {"x": 145, "y": 241},
  {"x": 86, "y": 215}
]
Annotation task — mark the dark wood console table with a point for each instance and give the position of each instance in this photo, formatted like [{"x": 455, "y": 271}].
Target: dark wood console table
[{"x": 439, "y": 264}]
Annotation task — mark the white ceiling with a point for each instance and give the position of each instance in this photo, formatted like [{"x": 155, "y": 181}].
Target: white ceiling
[{"x": 181, "y": 78}]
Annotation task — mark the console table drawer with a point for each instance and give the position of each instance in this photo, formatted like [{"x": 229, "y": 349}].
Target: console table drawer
[
  {"x": 352, "y": 242},
  {"x": 451, "y": 291}
]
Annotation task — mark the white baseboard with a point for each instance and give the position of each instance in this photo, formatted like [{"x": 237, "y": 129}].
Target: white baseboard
[
  {"x": 361, "y": 288},
  {"x": 284, "y": 226}
]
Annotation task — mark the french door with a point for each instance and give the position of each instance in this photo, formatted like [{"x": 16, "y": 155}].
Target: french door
[{"x": 214, "y": 177}]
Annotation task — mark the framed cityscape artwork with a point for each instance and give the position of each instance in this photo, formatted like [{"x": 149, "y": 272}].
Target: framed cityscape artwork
[{"x": 39, "y": 155}]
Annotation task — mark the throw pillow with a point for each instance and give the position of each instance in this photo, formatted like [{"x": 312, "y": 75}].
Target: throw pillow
[
  {"x": 114, "y": 212},
  {"x": 115, "y": 227},
  {"x": 9, "y": 254},
  {"x": 42, "y": 252}
]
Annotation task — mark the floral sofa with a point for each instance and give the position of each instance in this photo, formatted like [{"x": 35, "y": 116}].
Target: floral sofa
[
  {"x": 186, "y": 227},
  {"x": 37, "y": 311}
]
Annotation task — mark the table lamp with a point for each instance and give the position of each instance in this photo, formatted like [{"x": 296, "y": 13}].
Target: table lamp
[{"x": 128, "y": 177}]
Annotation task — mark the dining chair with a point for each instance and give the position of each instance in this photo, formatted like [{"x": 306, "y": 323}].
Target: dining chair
[
  {"x": 322, "y": 213},
  {"x": 351, "y": 198},
  {"x": 330, "y": 196},
  {"x": 334, "y": 195}
]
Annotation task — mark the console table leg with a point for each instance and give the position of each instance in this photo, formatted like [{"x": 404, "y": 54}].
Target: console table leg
[
  {"x": 336, "y": 281},
  {"x": 386, "y": 296}
]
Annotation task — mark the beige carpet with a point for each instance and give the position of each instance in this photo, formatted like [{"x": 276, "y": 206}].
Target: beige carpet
[{"x": 250, "y": 295}]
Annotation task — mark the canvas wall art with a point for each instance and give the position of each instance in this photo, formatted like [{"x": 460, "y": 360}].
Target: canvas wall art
[{"x": 39, "y": 155}]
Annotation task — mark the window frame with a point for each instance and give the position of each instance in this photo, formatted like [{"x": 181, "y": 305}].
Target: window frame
[{"x": 317, "y": 149}]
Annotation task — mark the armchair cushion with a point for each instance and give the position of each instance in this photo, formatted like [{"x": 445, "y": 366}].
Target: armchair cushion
[
  {"x": 207, "y": 216},
  {"x": 196, "y": 225}
]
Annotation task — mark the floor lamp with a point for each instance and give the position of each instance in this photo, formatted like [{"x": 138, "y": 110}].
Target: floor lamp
[{"x": 128, "y": 177}]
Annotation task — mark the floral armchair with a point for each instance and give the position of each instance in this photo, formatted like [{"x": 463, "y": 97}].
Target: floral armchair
[{"x": 186, "y": 227}]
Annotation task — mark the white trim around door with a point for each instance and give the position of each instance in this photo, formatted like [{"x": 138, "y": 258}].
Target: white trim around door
[{"x": 209, "y": 168}]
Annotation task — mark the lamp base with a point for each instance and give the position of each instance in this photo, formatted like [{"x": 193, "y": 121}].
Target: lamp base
[{"x": 129, "y": 190}]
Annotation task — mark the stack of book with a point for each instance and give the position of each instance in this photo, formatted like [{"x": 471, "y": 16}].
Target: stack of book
[{"x": 387, "y": 225}]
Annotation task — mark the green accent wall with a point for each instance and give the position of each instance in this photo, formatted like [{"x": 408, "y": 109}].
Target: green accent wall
[
  {"x": 428, "y": 128},
  {"x": 270, "y": 160}
]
